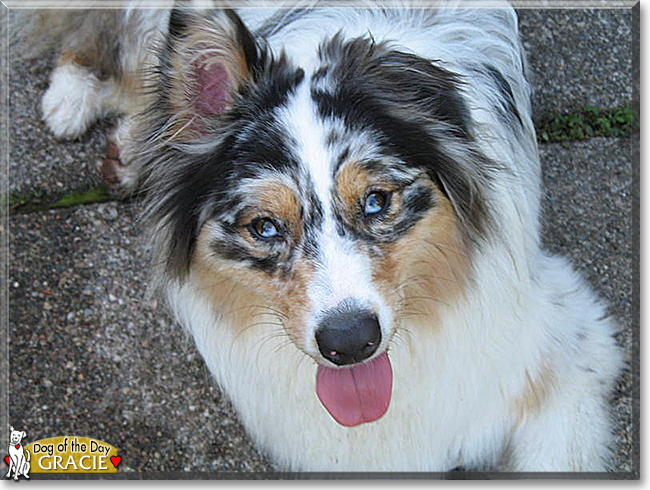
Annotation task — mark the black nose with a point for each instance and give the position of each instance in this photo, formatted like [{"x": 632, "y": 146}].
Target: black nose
[{"x": 349, "y": 335}]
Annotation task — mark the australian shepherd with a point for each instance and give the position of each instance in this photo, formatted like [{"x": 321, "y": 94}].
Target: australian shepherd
[{"x": 343, "y": 204}]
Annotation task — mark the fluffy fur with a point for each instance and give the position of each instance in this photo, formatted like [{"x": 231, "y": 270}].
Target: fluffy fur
[{"x": 299, "y": 166}]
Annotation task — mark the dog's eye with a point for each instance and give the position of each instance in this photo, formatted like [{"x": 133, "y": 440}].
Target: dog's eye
[
  {"x": 265, "y": 229},
  {"x": 376, "y": 202}
]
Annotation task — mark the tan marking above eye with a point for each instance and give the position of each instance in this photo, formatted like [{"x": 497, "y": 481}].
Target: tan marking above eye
[
  {"x": 354, "y": 184},
  {"x": 352, "y": 181},
  {"x": 275, "y": 200}
]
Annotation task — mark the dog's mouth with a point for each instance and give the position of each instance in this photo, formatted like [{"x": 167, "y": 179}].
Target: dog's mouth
[{"x": 356, "y": 394}]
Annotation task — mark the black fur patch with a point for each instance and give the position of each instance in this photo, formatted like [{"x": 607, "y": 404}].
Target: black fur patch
[
  {"x": 178, "y": 23},
  {"x": 269, "y": 264},
  {"x": 312, "y": 223}
]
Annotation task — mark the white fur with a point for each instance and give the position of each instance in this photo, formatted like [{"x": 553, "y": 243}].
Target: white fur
[
  {"x": 122, "y": 136},
  {"x": 72, "y": 101}
]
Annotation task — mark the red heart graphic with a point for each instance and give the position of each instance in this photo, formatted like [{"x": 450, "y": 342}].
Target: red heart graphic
[
  {"x": 17, "y": 446},
  {"x": 7, "y": 459},
  {"x": 116, "y": 460}
]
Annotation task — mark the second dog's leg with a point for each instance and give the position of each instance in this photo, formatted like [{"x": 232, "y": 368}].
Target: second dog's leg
[{"x": 75, "y": 99}]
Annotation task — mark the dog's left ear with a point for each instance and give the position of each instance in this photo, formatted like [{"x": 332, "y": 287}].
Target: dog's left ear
[
  {"x": 24, "y": 434},
  {"x": 209, "y": 57}
]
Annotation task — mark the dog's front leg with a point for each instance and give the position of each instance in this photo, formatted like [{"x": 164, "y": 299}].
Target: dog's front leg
[
  {"x": 11, "y": 465},
  {"x": 120, "y": 168},
  {"x": 20, "y": 466}
]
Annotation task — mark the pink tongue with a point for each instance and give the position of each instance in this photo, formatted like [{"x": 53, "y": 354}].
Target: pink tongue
[{"x": 357, "y": 394}]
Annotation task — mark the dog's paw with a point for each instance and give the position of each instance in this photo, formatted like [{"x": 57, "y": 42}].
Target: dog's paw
[
  {"x": 114, "y": 172},
  {"x": 72, "y": 101},
  {"x": 117, "y": 169}
]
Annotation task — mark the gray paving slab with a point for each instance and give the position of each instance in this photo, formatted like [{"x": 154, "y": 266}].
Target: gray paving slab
[
  {"x": 104, "y": 359},
  {"x": 578, "y": 57}
]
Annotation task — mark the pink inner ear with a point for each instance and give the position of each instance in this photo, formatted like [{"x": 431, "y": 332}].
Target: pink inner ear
[{"x": 214, "y": 89}]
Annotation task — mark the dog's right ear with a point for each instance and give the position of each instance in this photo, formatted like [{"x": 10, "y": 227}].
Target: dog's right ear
[
  {"x": 11, "y": 428},
  {"x": 209, "y": 57}
]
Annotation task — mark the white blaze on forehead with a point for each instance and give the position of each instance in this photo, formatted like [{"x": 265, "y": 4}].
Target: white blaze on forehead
[
  {"x": 309, "y": 131},
  {"x": 342, "y": 271},
  {"x": 300, "y": 119}
]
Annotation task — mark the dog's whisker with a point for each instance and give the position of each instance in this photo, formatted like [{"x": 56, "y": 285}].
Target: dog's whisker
[
  {"x": 288, "y": 342},
  {"x": 428, "y": 298},
  {"x": 275, "y": 350},
  {"x": 267, "y": 310},
  {"x": 212, "y": 286},
  {"x": 276, "y": 331},
  {"x": 248, "y": 327}
]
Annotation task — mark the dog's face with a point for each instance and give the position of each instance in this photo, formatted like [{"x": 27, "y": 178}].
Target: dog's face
[
  {"x": 325, "y": 245},
  {"x": 339, "y": 198},
  {"x": 16, "y": 436}
]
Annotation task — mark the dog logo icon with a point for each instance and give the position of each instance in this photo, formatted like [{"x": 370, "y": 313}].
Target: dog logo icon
[{"x": 19, "y": 457}]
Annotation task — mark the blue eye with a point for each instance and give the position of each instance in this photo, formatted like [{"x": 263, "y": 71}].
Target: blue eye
[
  {"x": 376, "y": 202},
  {"x": 265, "y": 228}
]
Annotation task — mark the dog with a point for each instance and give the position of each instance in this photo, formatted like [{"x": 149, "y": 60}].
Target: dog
[
  {"x": 343, "y": 206},
  {"x": 19, "y": 457}
]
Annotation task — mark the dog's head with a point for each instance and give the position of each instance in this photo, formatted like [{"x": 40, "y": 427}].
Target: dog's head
[
  {"x": 15, "y": 436},
  {"x": 340, "y": 195}
]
